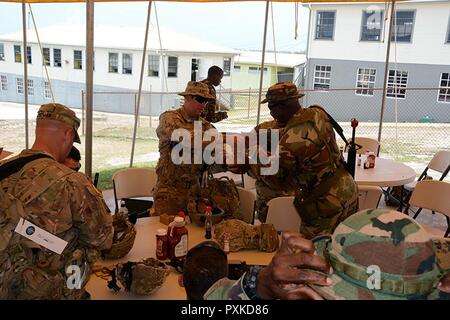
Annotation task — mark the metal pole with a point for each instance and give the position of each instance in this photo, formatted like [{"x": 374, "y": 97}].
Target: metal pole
[
  {"x": 248, "y": 106},
  {"x": 150, "y": 105},
  {"x": 140, "y": 82},
  {"x": 386, "y": 71},
  {"x": 82, "y": 113},
  {"x": 89, "y": 83},
  {"x": 25, "y": 69},
  {"x": 262, "y": 62}
]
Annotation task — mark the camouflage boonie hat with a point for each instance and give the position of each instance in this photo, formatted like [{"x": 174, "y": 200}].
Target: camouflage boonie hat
[
  {"x": 386, "y": 243},
  {"x": 282, "y": 91},
  {"x": 61, "y": 113},
  {"x": 195, "y": 88}
]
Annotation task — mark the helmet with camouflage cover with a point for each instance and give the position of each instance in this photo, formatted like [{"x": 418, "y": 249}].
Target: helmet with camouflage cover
[
  {"x": 380, "y": 254},
  {"x": 124, "y": 235},
  {"x": 242, "y": 235}
]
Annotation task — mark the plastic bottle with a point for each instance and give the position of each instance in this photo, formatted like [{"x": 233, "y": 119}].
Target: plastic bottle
[
  {"x": 162, "y": 242},
  {"x": 178, "y": 239},
  {"x": 359, "y": 160},
  {"x": 208, "y": 222}
]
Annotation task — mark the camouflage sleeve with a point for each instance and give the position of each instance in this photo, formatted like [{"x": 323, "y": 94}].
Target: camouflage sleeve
[
  {"x": 226, "y": 289},
  {"x": 90, "y": 213},
  {"x": 442, "y": 251}
]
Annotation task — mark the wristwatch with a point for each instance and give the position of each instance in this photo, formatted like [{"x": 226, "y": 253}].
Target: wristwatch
[{"x": 249, "y": 282}]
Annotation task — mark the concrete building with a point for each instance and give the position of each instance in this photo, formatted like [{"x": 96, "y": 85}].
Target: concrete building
[
  {"x": 347, "y": 49},
  {"x": 117, "y": 63}
]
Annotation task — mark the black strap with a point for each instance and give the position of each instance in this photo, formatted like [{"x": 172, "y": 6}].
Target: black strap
[
  {"x": 336, "y": 125},
  {"x": 16, "y": 165}
]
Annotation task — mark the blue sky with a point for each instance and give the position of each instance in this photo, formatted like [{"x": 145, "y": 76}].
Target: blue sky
[{"x": 236, "y": 25}]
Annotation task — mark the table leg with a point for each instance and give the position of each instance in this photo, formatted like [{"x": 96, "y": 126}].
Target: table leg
[{"x": 401, "y": 199}]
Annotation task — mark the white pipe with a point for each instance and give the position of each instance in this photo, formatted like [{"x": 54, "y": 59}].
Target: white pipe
[
  {"x": 25, "y": 69},
  {"x": 89, "y": 83}
]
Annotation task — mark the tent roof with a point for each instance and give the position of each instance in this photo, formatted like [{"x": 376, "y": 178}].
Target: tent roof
[{"x": 305, "y": 1}]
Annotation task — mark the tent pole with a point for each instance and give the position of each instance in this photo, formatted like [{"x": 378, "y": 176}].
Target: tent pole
[
  {"x": 89, "y": 83},
  {"x": 140, "y": 82},
  {"x": 25, "y": 69},
  {"x": 386, "y": 70},
  {"x": 262, "y": 61}
]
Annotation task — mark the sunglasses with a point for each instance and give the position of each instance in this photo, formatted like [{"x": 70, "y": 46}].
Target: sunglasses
[{"x": 201, "y": 99}]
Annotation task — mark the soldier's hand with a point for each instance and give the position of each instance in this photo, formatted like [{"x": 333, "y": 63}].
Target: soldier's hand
[
  {"x": 287, "y": 274},
  {"x": 444, "y": 284}
]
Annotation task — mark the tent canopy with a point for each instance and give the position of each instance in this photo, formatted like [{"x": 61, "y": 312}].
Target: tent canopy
[{"x": 305, "y": 1}]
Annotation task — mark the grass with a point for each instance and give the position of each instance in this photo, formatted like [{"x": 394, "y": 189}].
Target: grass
[{"x": 105, "y": 175}]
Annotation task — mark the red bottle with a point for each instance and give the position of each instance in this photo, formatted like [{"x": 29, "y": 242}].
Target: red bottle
[
  {"x": 178, "y": 239},
  {"x": 162, "y": 241}
]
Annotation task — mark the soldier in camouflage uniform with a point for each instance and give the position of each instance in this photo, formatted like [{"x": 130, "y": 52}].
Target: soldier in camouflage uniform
[
  {"x": 212, "y": 112},
  {"x": 57, "y": 199},
  {"x": 309, "y": 163},
  {"x": 175, "y": 181},
  {"x": 409, "y": 264}
]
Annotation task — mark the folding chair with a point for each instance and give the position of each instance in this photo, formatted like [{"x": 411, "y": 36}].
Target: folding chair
[
  {"x": 247, "y": 200},
  {"x": 367, "y": 144},
  {"x": 369, "y": 196},
  {"x": 283, "y": 215}
]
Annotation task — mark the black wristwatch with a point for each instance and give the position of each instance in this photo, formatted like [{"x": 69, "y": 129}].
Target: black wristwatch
[{"x": 249, "y": 282}]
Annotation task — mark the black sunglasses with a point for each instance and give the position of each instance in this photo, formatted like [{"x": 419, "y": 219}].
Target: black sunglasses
[{"x": 201, "y": 99}]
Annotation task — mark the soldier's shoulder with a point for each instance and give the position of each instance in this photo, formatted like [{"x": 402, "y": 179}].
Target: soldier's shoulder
[
  {"x": 267, "y": 125},
  {"x": 170, "y": 114}
]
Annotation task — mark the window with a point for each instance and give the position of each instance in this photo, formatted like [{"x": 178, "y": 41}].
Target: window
[
  {"x": 372, "y": 24},
  {"x": 77, "y": 59},
  {"x": 365, "y": 81},
  {"x": 226, "y": 66},
  {"x": 237, "y": 68},
  {"x": 127, "y": 63},
  {"x": 57, "y": 57},
  {"x": 19, "y": 82},
  {"x": 444, "y": 91},
  {"x": 17, "y": 54},
  {"x": 153, "y": 65},
  {"x": 113, "y": 62},
  {"x": 47, "y": 91},
  {"x": 322, "y": 77},
  {"x": 256, "y": 70},
  {"x": 30, "y": 87},
  {"x": 172, "y": 67},
  {"x": 403, "y": 26},
  {"x": 46, "y": 56},
  {"x": 29, "y": 55},
  {"x": 397, "y": 81},
  {"x": 2, "y": 52},
  {"x": 4, "y": 82},
  {"x": 325, "y": 25}
]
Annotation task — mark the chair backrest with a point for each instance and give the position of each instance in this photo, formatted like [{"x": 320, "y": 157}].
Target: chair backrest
[
  {"x": 247, "y": 201},
  {"x": 433, "y": 195},
  {"x": 249, "y": 182},
  {"x": 283, "y": 215},
  {"x": 134, "y": 182},
  {"x": 440, "y": 162},
  {"x": 367, "y": 144},
  {"x": 369, "y": 196}
]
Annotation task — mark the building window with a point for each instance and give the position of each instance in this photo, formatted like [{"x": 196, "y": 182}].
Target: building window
[
  {"x": 57, "y": 58},
  {"x": 29, "y": 55},
  {"x": 2, "y": 52},
  {"x": 325, "y": 24},
  {"x": 30, "y": 87},
  {"x": 46, "y": 56},
  {"x": 256, "y": 70},
  {"x": 153, "y": 65},
  {"x": 365, "y": 81},
  {"x": 226, "y": 66},
  {"x": 172, "y": 67},
  {"x": 127, "y": 63},
  {"x": 113, "y": 62},
  {"x": 372, "y": 25},
  {"x": 397, "y": 82},
  {"x": 47, "y": 91},
  {"x": 237, "y": 68},
  {"x": 322, "y": 77},
  {"x": 77, "y": 59},
  {"x": 17, "y": 54},
  {"x": 444, "y": 91},
  {"x": 4, "y": 82},
  {"x": 19, "y": 82},
  {"x": 403, "y": 26}
]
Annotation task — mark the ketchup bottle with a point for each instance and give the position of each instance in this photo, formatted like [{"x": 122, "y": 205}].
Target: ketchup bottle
[{"x": 178, "y": 239}]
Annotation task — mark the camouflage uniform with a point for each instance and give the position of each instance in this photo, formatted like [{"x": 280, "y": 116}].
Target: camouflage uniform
[
  {"x": 410, "y": 263},
  {"x": 212, "y": 111},
  {"x": 311, "y": 163}
]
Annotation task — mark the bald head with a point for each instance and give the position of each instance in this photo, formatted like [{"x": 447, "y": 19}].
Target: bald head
[{"x": 215, "y": 75}]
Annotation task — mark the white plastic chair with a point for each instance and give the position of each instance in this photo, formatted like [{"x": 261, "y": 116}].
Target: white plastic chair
[
  {"x": 249, "y": 182},
  {"x": 247, "y": 201},
  {"x": 283, "y": 215},
  {"x": 432, "y": 195},
  {"x": 369, "y": 196},
  {"x": 133, "y": 182},
  {"x": 367, "y": 144}
]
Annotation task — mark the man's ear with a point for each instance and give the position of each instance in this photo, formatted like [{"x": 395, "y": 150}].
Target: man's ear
[{"x": 180, "y": 281}]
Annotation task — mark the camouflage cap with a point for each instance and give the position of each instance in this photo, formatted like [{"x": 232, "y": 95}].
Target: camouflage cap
[
  {"x": 380, "y": 254},
  {"x": 195, "y": 88},
  {"x": 282, "y": 91},
  {"x": 61, "y": 113}
]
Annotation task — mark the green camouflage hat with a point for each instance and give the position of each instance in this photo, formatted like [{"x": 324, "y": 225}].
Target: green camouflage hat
[
  {"x": 61, "y": 113},
  {"x": 195, "y": 88},
  {"x": 282, "y": 91},
  {"x": 381, "y": 254}
]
